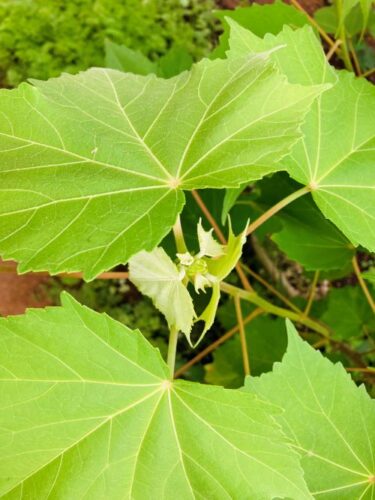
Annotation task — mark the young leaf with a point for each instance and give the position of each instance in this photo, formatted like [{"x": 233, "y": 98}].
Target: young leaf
[
  {"x": 330, "y": 420},
  {"x": 87, "y": 410},
  {"x": 156, "y": 276},
  {"x": 222, "y": 266},
  {"x": 99, "y": 159},
  {"x": 207, "y": 243},
  {"x": 339, "y": 134},
  {"x": 219, "y": 268}
]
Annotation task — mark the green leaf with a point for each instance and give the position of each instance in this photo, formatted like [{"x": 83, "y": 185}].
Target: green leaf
[
  {"x": 209, "y": 313},
  {"x": 218, "y": 270},
  {"x": 358, "y": 320},
  {"x": 297, "y": 53},
  {"x": 156, "y": 276},
  {"x": 266, "y": 342},
  {"x": 124, "y": 59},
  {"x": 330, "y": 420},
  {"x": 340, "y": 138},
  {"x": 260, "y": 19},
  {"x": 229, "y": 201},
  {"x": 87, "y": 410},
  {"x": 99, "y": 159},
  {"x": 175, "y": 61},
  {"x": 222, "y": 266},
  {"x": 326, "y": 17},
  {"x": 328, "y": 20},
  {"x": 120, "y": 57},
  {"x": 338, "y": 133}
]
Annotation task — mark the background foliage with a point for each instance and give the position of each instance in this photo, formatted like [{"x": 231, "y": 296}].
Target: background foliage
[{"x": 43, "y": 38}]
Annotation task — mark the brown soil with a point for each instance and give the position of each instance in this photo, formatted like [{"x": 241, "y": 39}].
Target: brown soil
[{"x": 17, "y": 293}]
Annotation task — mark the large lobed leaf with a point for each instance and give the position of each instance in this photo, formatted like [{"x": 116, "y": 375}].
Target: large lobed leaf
[
  {"x": 87, "y": 411},
  {"x": 331, "y": 421},
  {"x": 92, "y": 166},
  {"x": 336, "y": 156}
]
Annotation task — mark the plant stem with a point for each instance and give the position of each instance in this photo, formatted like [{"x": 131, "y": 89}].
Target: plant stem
[
  {"x": 353, "y": 53},
  {"x": 344, "y": 51},
  {"x": 362, "y": 283},
  {"x": 211, "y": 220},
  {"x": 369, "y": 72},
  {"x": 241, "y": 328},
  {"x": 271, "y": 268},
  {"x": 172, "y": 348},
  {"x": 217, "y": 343},
  {"x": 179, "y": 236},
  {"x": 310, "y": 300},
  {"x": 271, "y": 288},
  {"x": 276, "y": 208},
  {"x": 111, "y": 275},
  {"x": 269, "y": 307},
  {"x": 333, "y": 49},
  {"x": 369, "y": 369},
  {"x": 208, "y": 216},
  {"x": 345, "y": 55},
  {"x": 322, "y": 33}
]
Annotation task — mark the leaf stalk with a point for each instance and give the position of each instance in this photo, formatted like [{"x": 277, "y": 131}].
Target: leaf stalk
[
  {"x": 272, "y": 309},
  {"x": 276, "y": 208},
  {"x": 362, "y": 283},
  {"x": 241, "y": 329}
]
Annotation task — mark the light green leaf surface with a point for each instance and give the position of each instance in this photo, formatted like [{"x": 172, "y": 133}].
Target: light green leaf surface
[
  {"x": 336, "y": 156},
  {"x": 207, "y": 244},
  {"x": 87, "y": 411},
  {"x": 98, "y": 160},
  {"x": 155, "y": 275},
  {"x": 331, "y": 421},
  {"x": 297, "y": 53}
]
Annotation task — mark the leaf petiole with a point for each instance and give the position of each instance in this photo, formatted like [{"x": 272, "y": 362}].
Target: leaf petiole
[
  {"x": 269, "y": 307},
  {"x": 276, "y": 208}
]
